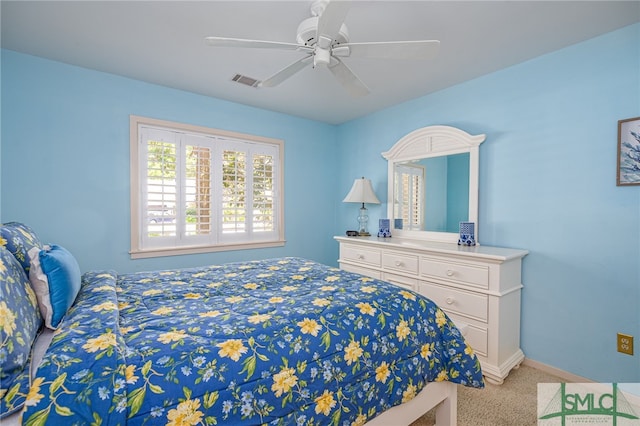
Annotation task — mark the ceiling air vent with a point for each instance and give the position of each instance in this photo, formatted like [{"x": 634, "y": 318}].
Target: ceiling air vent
[{"x": 247, "y": 81}]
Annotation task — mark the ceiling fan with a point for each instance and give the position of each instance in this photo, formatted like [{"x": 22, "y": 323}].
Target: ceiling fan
[{"x": 324, "y": 40}]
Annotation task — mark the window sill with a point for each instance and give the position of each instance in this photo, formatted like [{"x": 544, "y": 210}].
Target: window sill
[{"x": 178, "y": 251}]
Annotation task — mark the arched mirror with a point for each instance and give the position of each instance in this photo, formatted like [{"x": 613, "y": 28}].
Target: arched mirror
[{"x": 433, "y": 183}]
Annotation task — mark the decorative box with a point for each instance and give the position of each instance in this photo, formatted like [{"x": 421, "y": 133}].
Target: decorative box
[
  {"x": 467, "y": 234},
  {"x": 384, "y": 228}
]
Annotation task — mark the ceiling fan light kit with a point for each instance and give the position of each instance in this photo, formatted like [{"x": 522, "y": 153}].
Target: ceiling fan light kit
[{"x": 324, "y": 39}]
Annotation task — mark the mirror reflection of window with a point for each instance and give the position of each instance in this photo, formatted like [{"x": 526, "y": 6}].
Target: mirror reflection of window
[
  {"x": 409, "y": 202},
  {"x": 432, "y": 194}
]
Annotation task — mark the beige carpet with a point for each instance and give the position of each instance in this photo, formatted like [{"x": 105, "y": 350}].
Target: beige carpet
[{"x": 514, "y": 403}]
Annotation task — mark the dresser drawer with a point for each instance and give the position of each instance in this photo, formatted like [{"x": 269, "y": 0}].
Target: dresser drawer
[
  {"x": 466, "y": 303},
  {"x": 476, "y": 337},
  {"x": 402, "y": 281},
  {"x": 462, "y": 273},
  {"x": 400, "y": 262},
  {"x": 358, "y": 254},
  {"x": 361, "y": 270}
]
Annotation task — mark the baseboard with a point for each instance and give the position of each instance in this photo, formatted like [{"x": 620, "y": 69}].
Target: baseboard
[{"x": 564, "y": 375}]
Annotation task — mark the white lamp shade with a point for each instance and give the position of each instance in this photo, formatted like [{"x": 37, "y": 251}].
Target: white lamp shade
[{"x": 361, "y": 192}]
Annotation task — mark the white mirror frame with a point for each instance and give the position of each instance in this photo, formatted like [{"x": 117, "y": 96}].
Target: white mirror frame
[{"x": 435, "y": 141}]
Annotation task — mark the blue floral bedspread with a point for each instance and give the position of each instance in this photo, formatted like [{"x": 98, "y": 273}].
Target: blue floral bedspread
[{"x": 280, "y": 341}]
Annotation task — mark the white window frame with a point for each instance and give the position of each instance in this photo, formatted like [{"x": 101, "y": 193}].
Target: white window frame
[{"x": 217, "y": 140}]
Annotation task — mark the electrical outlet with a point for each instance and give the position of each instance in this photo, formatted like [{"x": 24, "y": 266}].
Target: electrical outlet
[{"x": 625, "y": 344}]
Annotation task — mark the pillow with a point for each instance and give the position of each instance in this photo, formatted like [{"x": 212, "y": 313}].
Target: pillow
[
  {"x": 20, "y": 322},
  {"x": 55, "y": 277},
  {"x": 18, "y": 238}
]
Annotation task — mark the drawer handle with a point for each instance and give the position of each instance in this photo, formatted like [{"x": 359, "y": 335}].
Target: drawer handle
[
  {"x": 450, "y": 273},
  {"x": 398, "y": 263},
  {"x": 361, "y": 256},
  {"x": 450, "y": 300}
]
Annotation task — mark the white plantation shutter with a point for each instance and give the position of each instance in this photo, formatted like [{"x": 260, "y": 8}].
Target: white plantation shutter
[
  {"x": 234, "y": 191},
  {"x": 248, "y": 196},
  {"x": 410, "y": 192},
  {"x": 159, "y": 187},
  {"x": 199, "y": 190},
  {"x": 263, "y": 192}
]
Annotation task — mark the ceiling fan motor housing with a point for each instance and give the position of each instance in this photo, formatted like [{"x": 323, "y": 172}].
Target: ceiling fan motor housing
[{"x": 307, "y": 33}]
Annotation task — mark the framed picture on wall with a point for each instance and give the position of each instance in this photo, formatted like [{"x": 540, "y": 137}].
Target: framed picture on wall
[{"x": 629, "y": 152}]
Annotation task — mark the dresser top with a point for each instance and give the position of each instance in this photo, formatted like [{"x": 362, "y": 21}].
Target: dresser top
[{"x": 479, "y": 251}]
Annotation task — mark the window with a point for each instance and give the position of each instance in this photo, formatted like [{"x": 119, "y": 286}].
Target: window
[{"x": 196, "y": 189}]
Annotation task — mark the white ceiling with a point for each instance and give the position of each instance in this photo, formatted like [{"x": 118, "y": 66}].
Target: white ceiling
[{"x": 162, "y": 42}]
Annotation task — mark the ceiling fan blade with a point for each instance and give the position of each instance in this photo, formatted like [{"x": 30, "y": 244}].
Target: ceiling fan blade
[
  {"x": 262, "y": 44},
  {"x": 416, "y": 49},
  {"x": 286, "y": 72},
  {"x": 330, "y": 22},
  {"x": 348, "y": 79}
]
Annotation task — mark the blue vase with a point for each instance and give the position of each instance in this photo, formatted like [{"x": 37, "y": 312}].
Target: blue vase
[{"x": 467, "y": 234}]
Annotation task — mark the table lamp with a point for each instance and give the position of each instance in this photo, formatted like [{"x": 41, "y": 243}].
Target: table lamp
[{"x": 362, "y": 192}]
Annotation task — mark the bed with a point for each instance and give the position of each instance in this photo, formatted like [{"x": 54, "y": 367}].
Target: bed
[{"x": 277, "y": 341}]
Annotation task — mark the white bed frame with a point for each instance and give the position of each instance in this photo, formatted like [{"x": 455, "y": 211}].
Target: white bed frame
[{"x": 444, "y": 395}]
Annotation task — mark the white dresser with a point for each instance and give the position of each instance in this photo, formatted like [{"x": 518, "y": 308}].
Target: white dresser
[{"x": 478, "y": 287}]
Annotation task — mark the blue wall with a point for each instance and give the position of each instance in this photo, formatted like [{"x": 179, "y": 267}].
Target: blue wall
[
  {"x": 65, "y": 161},
  {"x": 547, "y": 179},
  {"x": 548, "y": 185}
]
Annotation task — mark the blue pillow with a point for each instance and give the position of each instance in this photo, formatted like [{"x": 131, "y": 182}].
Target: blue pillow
[
  {"x": 55, "y": 277},
  {"x": 18, "y": 238},
  {"x": 19, "y": 324}
]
